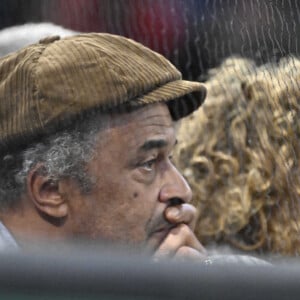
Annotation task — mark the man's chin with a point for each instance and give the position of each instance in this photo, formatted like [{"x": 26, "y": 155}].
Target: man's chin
[{"x": 155, "y": 240}]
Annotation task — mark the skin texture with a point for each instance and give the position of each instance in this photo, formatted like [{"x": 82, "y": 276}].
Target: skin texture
[
  {"x": 139, "y": 197},
  {"x": 136, "y": 157}
]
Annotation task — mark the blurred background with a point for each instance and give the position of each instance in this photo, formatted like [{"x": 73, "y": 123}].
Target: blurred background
[{"x": 194, "y": 34}]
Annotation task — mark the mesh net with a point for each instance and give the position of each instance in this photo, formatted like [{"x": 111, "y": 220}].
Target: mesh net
[
  {"x": 244, "y": 173},
  {"x": 194, "y": 35}
]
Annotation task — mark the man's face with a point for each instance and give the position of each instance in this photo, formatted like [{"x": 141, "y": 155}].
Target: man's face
[{"x": 135, "y": 180}]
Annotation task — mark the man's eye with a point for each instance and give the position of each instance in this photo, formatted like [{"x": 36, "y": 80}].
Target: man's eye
[{"x": 148, "y": 165}]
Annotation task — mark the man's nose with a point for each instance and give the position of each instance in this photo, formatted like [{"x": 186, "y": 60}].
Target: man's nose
[{"x": 175, "y": 187}]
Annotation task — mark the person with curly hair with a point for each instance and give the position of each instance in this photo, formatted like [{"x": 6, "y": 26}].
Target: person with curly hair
[{"x": 240, "y": 153}]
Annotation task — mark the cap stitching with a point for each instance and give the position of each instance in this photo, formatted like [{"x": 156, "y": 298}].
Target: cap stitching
[{"x": 35, "y": 91}]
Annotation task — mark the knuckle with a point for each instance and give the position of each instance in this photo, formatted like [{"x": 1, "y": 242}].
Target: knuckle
[
  {"x": 184, "y": 251},
  {"x": 190, "y": 210},
  {"x": 194, "y": 211},
  {"x": 184, "y": 229}
]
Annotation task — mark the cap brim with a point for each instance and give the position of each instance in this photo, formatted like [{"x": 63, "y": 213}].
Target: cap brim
[{"x": 182, "y": 97}]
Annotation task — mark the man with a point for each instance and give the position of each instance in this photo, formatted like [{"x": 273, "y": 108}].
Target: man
[{"x": 86, "y": 135}]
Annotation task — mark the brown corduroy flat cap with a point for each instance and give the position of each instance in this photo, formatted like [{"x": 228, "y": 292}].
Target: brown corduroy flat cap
[{"x": 45, "y": 84}]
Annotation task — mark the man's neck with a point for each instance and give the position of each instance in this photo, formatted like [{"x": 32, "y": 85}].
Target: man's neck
[{"x": 29, "y": 229}]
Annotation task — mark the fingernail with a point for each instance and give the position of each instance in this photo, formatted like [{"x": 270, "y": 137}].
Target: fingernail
[{"x": 173, "y": 212}]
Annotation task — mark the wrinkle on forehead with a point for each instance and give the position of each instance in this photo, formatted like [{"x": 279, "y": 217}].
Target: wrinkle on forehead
[
  {"x": 151, "y": 121},
  {"x": 118, "y": 146}
]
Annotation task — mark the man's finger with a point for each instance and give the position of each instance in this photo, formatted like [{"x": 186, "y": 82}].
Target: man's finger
[
  {"x": 178, "y": 237},
  {"x": 183, "y": 213},
  {"x": 189, "y": 254}
]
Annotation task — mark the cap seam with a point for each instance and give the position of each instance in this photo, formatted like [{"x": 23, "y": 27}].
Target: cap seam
[{"x": 36, "y": 85}]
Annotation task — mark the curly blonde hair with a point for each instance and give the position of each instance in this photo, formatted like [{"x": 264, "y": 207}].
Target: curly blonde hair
[{"x": 240, "y": 153}]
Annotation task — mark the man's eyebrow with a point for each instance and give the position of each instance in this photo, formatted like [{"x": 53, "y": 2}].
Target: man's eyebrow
[{"x": 154, "y": 144}]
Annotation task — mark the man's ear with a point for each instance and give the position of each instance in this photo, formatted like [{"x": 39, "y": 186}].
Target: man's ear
[{"x": 45, "y": 193}]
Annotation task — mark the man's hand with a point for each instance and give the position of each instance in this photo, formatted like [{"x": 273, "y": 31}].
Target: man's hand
[{"x": 181, "y": 242}]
